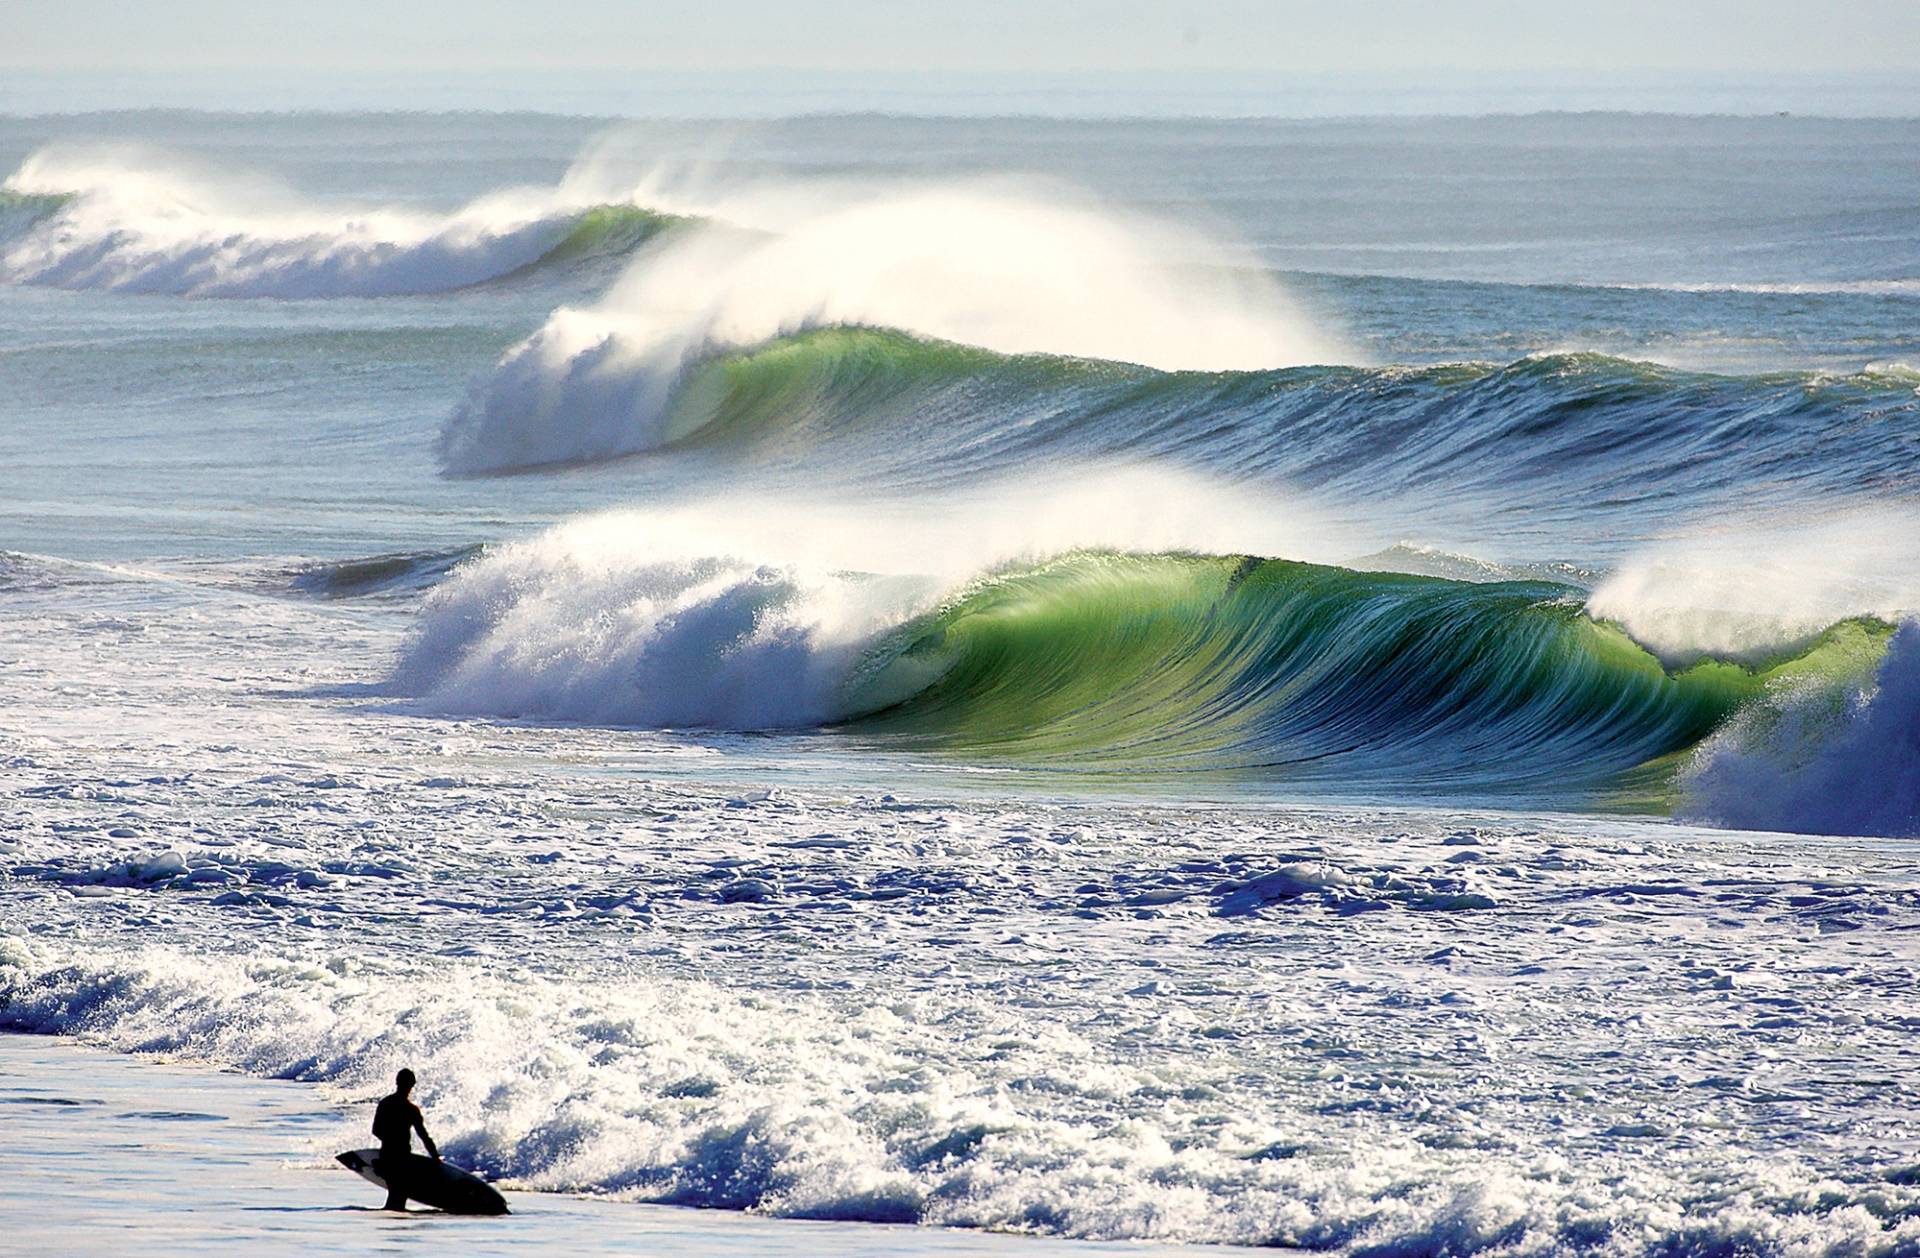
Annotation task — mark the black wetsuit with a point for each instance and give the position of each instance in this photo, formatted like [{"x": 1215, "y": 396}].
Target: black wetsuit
[{"x": 393, "y": 1122}]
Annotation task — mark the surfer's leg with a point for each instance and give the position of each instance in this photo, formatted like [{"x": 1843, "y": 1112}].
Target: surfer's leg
[{"x": 388, "y": 1165}]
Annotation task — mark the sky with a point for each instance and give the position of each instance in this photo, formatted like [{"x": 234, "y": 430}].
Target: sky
[{"x": 518, "y": 49}]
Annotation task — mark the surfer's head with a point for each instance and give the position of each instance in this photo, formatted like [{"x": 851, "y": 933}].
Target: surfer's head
[{"x": 404, "y": 1080}]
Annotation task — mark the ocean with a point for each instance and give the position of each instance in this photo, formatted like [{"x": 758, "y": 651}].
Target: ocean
[{"x": 1341, "y": 683}]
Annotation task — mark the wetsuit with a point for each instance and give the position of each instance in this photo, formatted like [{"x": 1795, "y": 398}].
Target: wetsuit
[{"x": 393, "y": 1122}]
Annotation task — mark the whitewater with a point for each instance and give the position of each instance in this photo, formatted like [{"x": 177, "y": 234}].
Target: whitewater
[{"x": 1109, "y": 681}]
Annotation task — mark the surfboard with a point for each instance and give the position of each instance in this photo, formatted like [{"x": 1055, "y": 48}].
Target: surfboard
[{"x": 441, "y": 1185}]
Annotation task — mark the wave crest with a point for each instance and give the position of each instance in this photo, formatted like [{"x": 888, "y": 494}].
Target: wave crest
[{"x": 1587, "y": 443}]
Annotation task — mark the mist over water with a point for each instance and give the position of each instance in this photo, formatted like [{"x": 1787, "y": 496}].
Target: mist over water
[{"x": 1225, "y": 681}]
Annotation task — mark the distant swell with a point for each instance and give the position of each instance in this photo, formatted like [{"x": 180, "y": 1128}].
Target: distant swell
[
  {"x": 402, "y": 573},
  {"x": 70, "y": 222}
]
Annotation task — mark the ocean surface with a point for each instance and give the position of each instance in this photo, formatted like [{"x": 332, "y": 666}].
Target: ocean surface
[{"x": 1343, "y": 683}]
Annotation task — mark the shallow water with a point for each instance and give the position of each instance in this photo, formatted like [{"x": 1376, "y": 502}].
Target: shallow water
[{"x": 105, "y": 1152}]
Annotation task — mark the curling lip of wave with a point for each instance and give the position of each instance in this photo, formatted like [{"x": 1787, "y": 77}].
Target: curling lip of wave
[{"x": 1313, "y": 672}]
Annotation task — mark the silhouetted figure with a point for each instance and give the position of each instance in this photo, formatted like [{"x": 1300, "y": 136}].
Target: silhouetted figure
[{"x": 395, "y": 1120}]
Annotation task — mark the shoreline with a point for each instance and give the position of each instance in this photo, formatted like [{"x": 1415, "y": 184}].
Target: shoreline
[{"x": 195, "y": 1159}]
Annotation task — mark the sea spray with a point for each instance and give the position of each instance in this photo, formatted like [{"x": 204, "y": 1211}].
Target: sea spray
[
  {"x": 548, "y": 631},
  {"x": 1757, "y": 586},
  {"x": 941, "y": 959},
  {"x": 721, "y": 612}
]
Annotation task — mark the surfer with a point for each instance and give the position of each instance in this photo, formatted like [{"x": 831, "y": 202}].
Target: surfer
[{"x": 395, "y": 1120}]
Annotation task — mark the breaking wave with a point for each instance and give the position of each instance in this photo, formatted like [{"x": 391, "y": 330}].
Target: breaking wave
[
  {"x": 1821, "y": 758},
  {"x": 74, "y": 218},
  {"x": 1095, "y": 662},
  {"x": 1005, "y": 270}
]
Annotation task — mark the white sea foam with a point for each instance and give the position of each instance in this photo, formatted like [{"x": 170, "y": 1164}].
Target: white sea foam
[
  {"x": 1821, "y": 759},
  {"x": 793, "y": 975},
  {"x": 1002, "y": 266},
  {"x": 922, "y": 1101},
  {"x": 1324, "y": 1027},
  {"x": 562, "y": 629},
  {"x": 1832, "y": 755}
]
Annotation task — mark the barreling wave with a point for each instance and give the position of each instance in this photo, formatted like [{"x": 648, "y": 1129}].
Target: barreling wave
[
  {"x": 73, "y": 220},
  {"x": 1308, "y": 673},
  {"x": 1110, "y": 663},
  {"x": 1579, "y": 436}
]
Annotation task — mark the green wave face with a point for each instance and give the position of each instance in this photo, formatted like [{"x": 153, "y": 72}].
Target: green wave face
[
  {"x": 21, "y": 210},
  {"x": 606, "y": 231},
  {"x": 40, "y": 202},
  {"x": 826, "y": 385},
  {"x": 1117, "y": 663}
]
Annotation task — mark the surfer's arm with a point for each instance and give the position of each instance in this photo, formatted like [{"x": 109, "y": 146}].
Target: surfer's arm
[{"x": 420, "y": 1125}]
